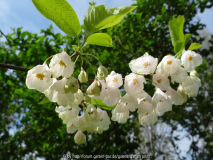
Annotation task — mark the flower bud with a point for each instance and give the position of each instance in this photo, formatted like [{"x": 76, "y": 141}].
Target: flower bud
[
  {"x": 94, "y": 89},
  {"x": 181, "y": 91},
  {"x": 83, "y": 76},
  {"x": 80, "y": 137},
  {"x": 194, "y": 74},
  {"x": 102, "y": 72},
  {"x": 71, "y": 85},
  {"x": 87, "y": 99}
]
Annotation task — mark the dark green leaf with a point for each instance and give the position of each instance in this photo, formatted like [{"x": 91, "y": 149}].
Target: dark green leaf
[{"x": 163, "y": 10}]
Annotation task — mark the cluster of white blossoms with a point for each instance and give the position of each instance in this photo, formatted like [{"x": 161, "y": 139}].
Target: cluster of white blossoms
[
  {"x": 149, "y": 108},
  {"x": 58, "y": 85},
  {"x": 75, "y": 108}
]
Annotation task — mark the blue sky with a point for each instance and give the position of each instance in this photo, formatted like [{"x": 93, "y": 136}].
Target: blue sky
[
  {"x": 22, "y": 13},
  {"x": 15, "y": 14}
]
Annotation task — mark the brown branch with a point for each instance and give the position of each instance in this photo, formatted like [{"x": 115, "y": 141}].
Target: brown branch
[
  {"x": 24, "y": 69},
  {"x": 74, "y": 54},
  {"x": 9, "y": 42},
  {"x": 14, "y": 67}
]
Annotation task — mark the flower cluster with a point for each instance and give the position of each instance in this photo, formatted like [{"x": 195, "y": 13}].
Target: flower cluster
[
  {"x": 75, "y": 109},
  {"x": 58, "y": 85}
]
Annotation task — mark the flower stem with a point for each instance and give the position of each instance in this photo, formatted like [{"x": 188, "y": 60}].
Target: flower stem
[
  {"x": 91, "y": 66},
  {"x": 151, "y": 81},
  {"x": 48, "y": 59},
  {"x": 82, "y": 62},
  {"x": 76, "y": 60},
  {"x": 92, "y": 56}
]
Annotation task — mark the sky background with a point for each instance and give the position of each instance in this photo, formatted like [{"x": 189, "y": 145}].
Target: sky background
[
  {"x": 22, "y": 13},
  {"x": 14, "y": 14}
]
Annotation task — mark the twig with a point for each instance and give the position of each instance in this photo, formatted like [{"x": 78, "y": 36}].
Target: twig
[
  {"x": 24, "y": 69},
  {"x": 9, "y": 42},
  {"x": 74, "y": 54},
  {"x": 14, "y": 67}
]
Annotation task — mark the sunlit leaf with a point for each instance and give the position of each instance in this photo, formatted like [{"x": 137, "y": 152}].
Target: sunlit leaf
[
  {"x": 44, "y": 101},
  {"x": 101, "y": 39},
  {"x": 61, "y": 13},
  {"x": 101, "y": 17},
  {"x": 176, "y": 29},
  {"x": 100, "y": 104},
  {"x": 194, "y": 46}
]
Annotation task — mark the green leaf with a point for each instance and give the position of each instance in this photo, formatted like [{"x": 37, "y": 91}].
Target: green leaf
[
  {"x": 75, "y": 47},
  {"x": 101, "y": 17},
  {"x": 100, "y": 104},
  {"x": 61, "y": 13},
  {"x": 187, "y": 37},
  {"x": 163, "y": 10},
  {"x": 101, "y": 39},
  {"x": 159, "y": 18},
  {"x": 194, "y": 46},
  {"x": 9, "y": 82},
  {"x": 179, "y": 46},
  {"x": 44, "y": 101},
  {"x": 176, "y": 29}
]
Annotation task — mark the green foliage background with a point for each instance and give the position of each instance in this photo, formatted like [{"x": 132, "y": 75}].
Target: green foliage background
[{"x": 40, "y": 131}]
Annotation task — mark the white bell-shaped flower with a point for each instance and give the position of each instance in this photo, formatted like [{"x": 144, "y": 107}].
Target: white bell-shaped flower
[
  {"x": 61, "y": 65},
  {"x": 80, "y": 122},
  {"x": 112, "y": 96},
  {"x": 169, "y": 65},
  {"x": 114, "y": 80},
  {"x": 145, "y": 64},
  {"x": 179, "y": 76},
  {"x": 191, "y": 86},
  {"x": 80, "y": 137},
  {"x": 131, "y": 102},
  {"x": 91, "y": 113},
  {"x": 71, "y": 129},
  {"x": 134, "y": 84},
  {"x": 144, "y": 103},
  {"x": 194, "y": 74},
  {"x": 162, "y": 103},
  {"x": 39, "y": 78},
  {"x": 176, "y": 98},
  {"x": 190, "y": 60},
  {"x": 68, "y": 114},
  {"x": 161, "y": 81},
  {"x": 78, "y": 97},
  {"x": 148, "y": 118},
  {"x": 103, "y": 121},
  {"x": 56, "y": 93},
  {"x": 91, "y": 126},
  {"x": 120, "y": 113},
  {"x": 181, "y": 91}
]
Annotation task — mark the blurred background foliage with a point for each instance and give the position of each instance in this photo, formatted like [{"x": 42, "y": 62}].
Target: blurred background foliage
[{"x": 29, "y": 130}]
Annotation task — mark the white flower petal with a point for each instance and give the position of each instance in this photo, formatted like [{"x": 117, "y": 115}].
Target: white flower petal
[{"x": 145, "y": 64}]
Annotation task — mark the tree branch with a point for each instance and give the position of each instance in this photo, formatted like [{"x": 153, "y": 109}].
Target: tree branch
[
  {"x": 9, "y": 42},
  {"x": 14, "y": 67},
  {"x": 24, "y": 69}
]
